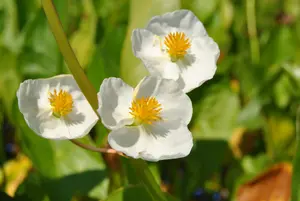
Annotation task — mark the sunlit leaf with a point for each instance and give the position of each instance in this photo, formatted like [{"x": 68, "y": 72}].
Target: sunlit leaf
[
  {"x": 82, "y": 41},
  {"x": 281, "y": 134},
  {"x": 216, "y": 113}
]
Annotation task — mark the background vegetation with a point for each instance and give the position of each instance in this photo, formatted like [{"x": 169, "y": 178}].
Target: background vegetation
[{"x": 244, "y": 118}]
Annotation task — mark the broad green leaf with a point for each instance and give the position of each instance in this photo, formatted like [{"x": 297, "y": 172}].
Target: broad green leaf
[
  {"x": 82, "y": 41},
  {"x": 200, "y": 167},
  {"x": 250, "y": 116},
  {"x": 106, "y": 60},
  {"x": 33, "y": 188},
  {"x": 5, "y": 197},
  {"x": 215, "y": 114},
  {"x": 132, "y": 69},
  {"x": 40, "y": 56},
  {"x": 280, "y": 47}
]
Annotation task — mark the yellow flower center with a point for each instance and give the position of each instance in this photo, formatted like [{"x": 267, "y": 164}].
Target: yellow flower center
[
  {"x": 177, "y": 45},
  {"x": 146, "y": 110},
  {"x": 61, "y": 103}
]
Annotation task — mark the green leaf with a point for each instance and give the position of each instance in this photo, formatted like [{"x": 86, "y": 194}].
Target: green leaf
[
  {"x": 283, "y": 92},
  {"x": 203, "y": 9},
  {"x": 250, "y": 116},
  {"x": 215, "y": 115},
  {"x": 280, "y": 47},
  {"x": 296, "y": 163},
  {"x": 9, "y": 79},
  {"x": 32, "y": 188},
  {"x": 10, "y": 32},
  {"x": 106, "y": 60},
  {"x": 82, "y": 41},
  {"x": 40, "y": 57},
  {"x": 200, "y": 167},
  {"x": 131, "y": 193},
  {"x": 26, "y": 11},
  {"x": 280, "y": 134},
  {"x": 132, "y": 69},
  {"x": 2, "y": 153}
]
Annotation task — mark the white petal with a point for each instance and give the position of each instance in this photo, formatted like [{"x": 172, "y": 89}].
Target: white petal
[
  {"x": 182, "y": 20},
  {"x": 115, "y": 98},
  {"x": 81, "y": 120},
  {"x": 200, "y": 65},
  {"x": 147, "y": 47},
  {"x": 167, "y": 140},
  {"x": 129, "y": 140},
  {"x": 175, "y": 103},
  {"x": 34, "y": 105}
]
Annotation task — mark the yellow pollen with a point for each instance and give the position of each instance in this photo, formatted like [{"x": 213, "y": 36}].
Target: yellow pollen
[
  {"x": 61, "y": 103},
  {"x": 177, "y": 44},
  {"x": 146, "y": 110}
]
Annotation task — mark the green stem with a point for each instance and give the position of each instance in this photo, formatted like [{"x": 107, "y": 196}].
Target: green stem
[
  {"x": 251, "y": 24},
  {"x": 148, "y": 180},
  {"x": 55, "y": 24}
]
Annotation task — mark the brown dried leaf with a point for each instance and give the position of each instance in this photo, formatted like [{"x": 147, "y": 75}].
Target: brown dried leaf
[{"x": 272, "y": 185}]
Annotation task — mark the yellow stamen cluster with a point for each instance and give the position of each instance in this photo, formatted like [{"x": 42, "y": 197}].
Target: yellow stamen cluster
[
  {"x": 61, "y": 103},
  {"x": 177, "y": 45},
  {"x": 146, "y": 110}
]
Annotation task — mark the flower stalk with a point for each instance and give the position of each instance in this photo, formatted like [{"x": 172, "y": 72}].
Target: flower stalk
[
  {"x": 251, "y": 24},
  {"x": 91, "y": 95},
  {"x": 55, "y": 24}
]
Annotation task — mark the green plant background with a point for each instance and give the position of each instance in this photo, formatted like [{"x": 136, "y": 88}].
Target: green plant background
[{"x": 253, "y": 97}]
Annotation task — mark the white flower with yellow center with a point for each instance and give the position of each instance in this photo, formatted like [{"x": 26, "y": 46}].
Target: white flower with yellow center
[
  {"x": 148, "y": 122},
  {"x": 55, "y": 108},
  {"x": 176, "y": 46}
]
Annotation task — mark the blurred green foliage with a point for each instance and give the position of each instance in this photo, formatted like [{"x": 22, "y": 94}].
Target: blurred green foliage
[{"x": 244, "y": 118}]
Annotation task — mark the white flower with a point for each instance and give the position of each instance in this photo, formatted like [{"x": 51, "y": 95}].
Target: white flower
[
  {"x": 176, "y": 46},
  {"x": 55, "y": 108},
  {"x": 148, "y": 122}
]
